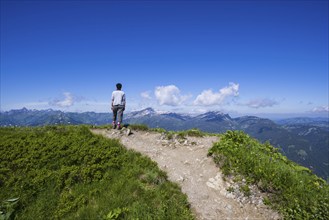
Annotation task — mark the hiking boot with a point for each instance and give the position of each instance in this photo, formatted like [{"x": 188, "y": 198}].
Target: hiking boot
[
  {"x": 119, "y": 126},
  {"x": 114, "y": 126}
]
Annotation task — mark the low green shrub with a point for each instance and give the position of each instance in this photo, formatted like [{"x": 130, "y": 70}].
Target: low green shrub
[
  {"x": 159, "y": 130},
  {"x": 66, "y": 172},
  {"x": 294, "y": 190},
  {"x": 139, "y": 127},
  {"x": 195, "y": 133}
]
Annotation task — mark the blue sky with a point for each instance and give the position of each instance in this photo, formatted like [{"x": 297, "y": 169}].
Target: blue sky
[{"x": 239, "y": 57}]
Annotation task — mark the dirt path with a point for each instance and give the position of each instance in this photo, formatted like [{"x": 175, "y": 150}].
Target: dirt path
[{"x": 187, "y": 164}]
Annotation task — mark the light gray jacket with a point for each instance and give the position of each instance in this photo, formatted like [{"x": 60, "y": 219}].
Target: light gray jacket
[{"x": 118, "y": 98}]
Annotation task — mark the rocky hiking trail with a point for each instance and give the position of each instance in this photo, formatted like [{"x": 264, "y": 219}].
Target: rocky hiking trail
[{"x": 186, "y": 163}]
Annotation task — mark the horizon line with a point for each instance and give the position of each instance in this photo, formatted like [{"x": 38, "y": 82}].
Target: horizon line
[{"x": 260, "y": 115}]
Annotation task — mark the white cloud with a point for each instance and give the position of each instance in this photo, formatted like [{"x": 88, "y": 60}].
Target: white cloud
[
  {"x": 146, "y": 95},
  {"x": 169, "y": 95},
  {"x": 261, "y": 103},
  {"x": 67, "y": 101},
  {"x": 321, "y": 109},
  {"x": 208, "y": 97}
]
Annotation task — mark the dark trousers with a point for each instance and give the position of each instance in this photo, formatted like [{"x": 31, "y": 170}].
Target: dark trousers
[{"x": 118, "y": 113}]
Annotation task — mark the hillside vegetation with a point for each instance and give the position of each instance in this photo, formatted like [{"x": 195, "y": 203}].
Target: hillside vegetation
[
  {"x": 66, "y": 172},
  {"x": 293, "y": 189}
]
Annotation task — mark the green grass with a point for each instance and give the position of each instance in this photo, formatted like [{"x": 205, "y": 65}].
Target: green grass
[
  {"x": 194, "y": 132},
  {"x": 293, "y": 189},
  {"x": 139, "y": 127},
  {"x": 66, "y": 172}
]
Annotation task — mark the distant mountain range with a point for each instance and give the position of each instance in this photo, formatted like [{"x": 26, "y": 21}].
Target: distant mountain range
[{"x": 303, "y": 140}]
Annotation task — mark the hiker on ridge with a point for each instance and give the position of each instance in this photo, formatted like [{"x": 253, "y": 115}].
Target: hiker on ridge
[{"x": 118, "y": 105}]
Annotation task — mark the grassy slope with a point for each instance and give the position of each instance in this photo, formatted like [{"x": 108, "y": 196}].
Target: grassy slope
[
  {"x": 68, "y": 173},
  {"x": 65, "y": 172},
  {"x": 294, "y": 190}
]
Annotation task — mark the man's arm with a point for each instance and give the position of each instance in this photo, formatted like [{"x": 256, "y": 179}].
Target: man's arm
[
  {"x": 124, "y": 101},
  {"x": 112, "y": 99}
]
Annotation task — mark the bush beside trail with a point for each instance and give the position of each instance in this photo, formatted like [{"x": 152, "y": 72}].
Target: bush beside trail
[
  {"x": 293, "y": 189},
  {"x": 66, "y": 172}
]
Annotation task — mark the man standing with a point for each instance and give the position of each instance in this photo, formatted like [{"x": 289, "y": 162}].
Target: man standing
[{"x": 118, "y": 105}]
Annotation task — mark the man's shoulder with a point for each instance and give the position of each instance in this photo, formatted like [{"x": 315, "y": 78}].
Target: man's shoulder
[{"x": 118, "y": 92}]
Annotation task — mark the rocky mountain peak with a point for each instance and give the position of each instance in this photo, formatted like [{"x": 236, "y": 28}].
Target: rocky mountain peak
[
  {"x": 214, "y": 116},
  {"x": 143, "y": 112}
]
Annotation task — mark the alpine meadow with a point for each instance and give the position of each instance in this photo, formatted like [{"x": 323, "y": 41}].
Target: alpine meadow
[{"x": 66, "y": 172}]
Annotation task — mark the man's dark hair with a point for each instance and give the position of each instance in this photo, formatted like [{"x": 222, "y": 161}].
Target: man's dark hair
[{"x": 119, "y": 86}]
